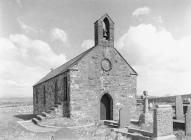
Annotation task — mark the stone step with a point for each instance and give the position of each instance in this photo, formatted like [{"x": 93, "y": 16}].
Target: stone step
[
  {"x": 40, "y": 118},
  {"x": 50, "y": 114},
  {"x": 140, "y": 131},
  {"x": 53, "y": 108},
  {"x": 45, "y": 114},
  {"x": 35, "y": 120},
  {"x": 111, "y": 123}
]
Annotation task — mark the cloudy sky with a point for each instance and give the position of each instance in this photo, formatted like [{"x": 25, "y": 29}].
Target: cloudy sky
[{"x": 153, "y": 35}]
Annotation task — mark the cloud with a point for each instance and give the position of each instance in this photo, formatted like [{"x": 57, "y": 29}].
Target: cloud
[
  {"x": 158, "y": 19},
  {"x": 23, "y": 62},
  {"x": 161, "y": 61},
  {"x": 24, "y": 26},
  {"x": 19, "y": 2},
  {"x": 86, "y": 44},
  {"x": 141, "y": 11},
  {"x": 59, "y": 34}
]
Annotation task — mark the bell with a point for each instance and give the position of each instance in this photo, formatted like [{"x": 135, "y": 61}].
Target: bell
[{"x": 104, "y": 33}]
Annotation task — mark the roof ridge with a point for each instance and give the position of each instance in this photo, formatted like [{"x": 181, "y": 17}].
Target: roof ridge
[
  {"x": 62, "y": 68},
  {"x": 73, "y": 58}
]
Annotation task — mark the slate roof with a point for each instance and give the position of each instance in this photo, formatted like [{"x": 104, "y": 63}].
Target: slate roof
[
  {"x": 63, "y": 67},
  {"x": 71, "y": 63}
]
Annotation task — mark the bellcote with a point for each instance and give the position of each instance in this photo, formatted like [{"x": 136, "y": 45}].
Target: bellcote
[{"x": 104, "y": 31}]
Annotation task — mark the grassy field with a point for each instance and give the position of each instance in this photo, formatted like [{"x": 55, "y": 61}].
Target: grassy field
[
  {"x": 13, "y": 110},
  {"x": 4, "y": 102}
]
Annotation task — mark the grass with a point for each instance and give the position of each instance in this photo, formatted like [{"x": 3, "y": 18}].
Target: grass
[
  {"x": 17, "y": 109},
  {"x": 5, "y": 102},
  {"x": 13, "y": 110}
]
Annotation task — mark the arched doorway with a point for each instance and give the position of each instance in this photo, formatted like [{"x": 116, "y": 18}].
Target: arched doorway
[{"x": 106, "y": 107}]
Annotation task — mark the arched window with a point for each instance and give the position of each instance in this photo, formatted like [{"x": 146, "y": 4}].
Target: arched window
[
  {"x": 55, "y": 92},
  {"x": 65, "y": 89},
  {"x": 106, "y": 28},
  {"x": 37, "y": 96},
  {"x": 44, "y": 95}
]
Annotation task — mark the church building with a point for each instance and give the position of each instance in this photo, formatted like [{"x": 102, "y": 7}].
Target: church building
[{"x": 94, "y": 85}]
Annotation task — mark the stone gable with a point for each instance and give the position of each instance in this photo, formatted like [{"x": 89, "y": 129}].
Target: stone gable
[{"x": 89, "y": 82}]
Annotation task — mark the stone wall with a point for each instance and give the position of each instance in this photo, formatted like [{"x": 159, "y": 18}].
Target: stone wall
[
  {"x": 169, "y": 99},
  {"x": 89, "y": 82},
  {"x": 49, "y": 88}
]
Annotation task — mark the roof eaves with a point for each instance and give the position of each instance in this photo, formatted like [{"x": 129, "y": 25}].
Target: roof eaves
[{"x": 135, "y": 73}]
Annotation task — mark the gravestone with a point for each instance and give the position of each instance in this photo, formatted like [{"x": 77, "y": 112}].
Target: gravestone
[
  {"x": 150, "y": 105},
  {"x": 141, "y": 119},
  {"x": 163, "y": 123},
  {"x": 145, "y": 102},
  {"x": 124, "y": 117},
  {"x": 189, "y": 100},
  {"x": 179, "y": 108},
  {"x": 188, "y": 121},
  {"x": 144, "y": 117}
]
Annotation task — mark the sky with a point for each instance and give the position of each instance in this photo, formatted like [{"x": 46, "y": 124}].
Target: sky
[{"x": 154, "y": 36}]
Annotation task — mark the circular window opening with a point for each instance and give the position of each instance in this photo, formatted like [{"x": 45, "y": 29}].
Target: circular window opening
[{"x": 106, "y": 64}]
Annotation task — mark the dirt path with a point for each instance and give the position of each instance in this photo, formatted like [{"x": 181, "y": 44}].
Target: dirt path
[{"x": 29, "y": 125}]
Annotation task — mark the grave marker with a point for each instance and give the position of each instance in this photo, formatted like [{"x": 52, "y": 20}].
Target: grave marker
[
  {"x": 124, "y": 116},
  {"x": 162, "y": 122},
  {"x": 146, "y": 103},
  {"x": 179, "y": 108},
  {"x": 188, "y": 121}
]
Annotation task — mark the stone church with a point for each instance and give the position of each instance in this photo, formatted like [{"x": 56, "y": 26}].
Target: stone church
[{"x": 94, "y": 84}]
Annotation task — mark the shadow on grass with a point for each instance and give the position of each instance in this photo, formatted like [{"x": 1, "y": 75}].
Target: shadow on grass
[{"x": 25, "y": 116}]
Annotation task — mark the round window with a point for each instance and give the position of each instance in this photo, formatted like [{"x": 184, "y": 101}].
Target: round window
[{"x": 106, "y": 64}]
